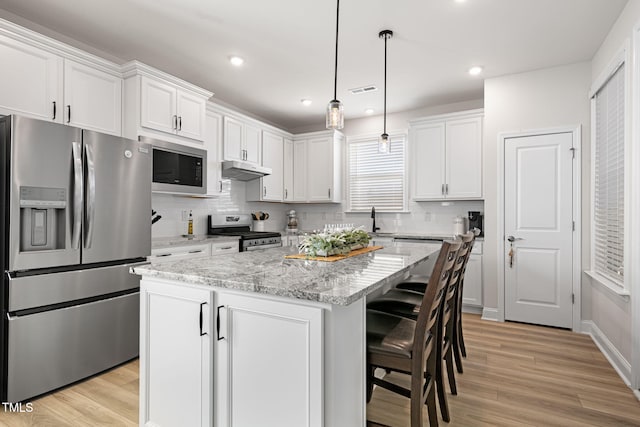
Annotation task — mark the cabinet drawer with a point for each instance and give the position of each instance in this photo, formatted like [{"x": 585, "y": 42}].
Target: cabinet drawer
[
  {"x": 179, "y": 252},
  {"x": 221, "y": 248}
]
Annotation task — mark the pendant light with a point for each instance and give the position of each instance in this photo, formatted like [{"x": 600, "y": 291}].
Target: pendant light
[
  {"x": 384, "y": 144},
  {"x": 335, "y": 110}
]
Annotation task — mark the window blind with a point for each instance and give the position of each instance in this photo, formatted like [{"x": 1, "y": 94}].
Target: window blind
[
  {"x": 377, "y": 179},
  {"x": 608, "y": 197}
]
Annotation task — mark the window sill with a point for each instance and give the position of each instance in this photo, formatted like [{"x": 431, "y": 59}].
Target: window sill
[{"x": 608, "y": 285}]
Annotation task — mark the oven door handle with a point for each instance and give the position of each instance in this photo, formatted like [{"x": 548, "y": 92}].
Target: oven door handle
[{"x": 257, "y": 247}]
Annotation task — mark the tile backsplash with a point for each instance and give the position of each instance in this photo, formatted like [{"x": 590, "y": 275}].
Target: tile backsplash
[{"x": 423, "y": 217}]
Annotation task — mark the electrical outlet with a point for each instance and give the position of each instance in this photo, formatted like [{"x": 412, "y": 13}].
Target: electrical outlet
[
  {"x": 304, "y": 215},
  {"x": 324, "y": 215},
  {"x": 427, "y": 216},
  {"x": 185, "y": 215}
]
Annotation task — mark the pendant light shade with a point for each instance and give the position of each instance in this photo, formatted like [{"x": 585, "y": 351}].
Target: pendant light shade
[
  {"x": 335, "y": 110},
  {"x": 384, "y": 144}
]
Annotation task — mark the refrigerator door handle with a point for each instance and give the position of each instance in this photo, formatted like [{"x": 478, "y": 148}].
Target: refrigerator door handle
[
  {"x": 77, "y": 194},
  {"x": 90, "y": 210}
]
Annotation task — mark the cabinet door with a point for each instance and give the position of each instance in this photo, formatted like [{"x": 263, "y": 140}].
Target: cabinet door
[
  {"x": 464, "y": 158},
  {"x": 288, "y": 171},
  {"x": 300, "y": 171},
  {"x": 233, "y": 130},
  {"x": 158, "y": 105},
  {"x": 175, "y": 356},
  {"x": 191, "y": 112},
  {"x": 428, "y": 148},
  {"x": 212, "y": 141},
  {"x": 269, "y": 368},
  {"x": 92, "y": 98},
  {"x": 472, "y": 290},
  {"x": 252, "y": 143},
  {"x": 273, "y": 157},
  {"x": 319, "y": 169},
  {"x": 30, "y": 81}
]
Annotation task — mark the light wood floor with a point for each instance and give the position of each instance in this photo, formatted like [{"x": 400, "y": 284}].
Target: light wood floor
[{"x": 515, "y": 375}]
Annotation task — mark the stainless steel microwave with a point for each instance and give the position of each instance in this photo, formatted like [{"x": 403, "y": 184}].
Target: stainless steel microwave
[{"x": 177, "y": 169}]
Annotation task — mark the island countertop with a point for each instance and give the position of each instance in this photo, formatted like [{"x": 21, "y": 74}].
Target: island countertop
[{"x": 268, "y": 272}]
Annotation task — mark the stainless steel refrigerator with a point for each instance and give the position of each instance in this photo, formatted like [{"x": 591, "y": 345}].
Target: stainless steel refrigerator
[{"x": 75, "y": 216}]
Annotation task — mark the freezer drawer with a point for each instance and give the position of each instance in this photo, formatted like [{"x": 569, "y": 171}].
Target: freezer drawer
[
  {"x": 54, "y": 348},
  {"x": 47, "y": 289}
]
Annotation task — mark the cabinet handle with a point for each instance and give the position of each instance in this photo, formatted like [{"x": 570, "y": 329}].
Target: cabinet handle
[
  {"x": 225, "y": 248},
  {"x": 174, "y": 122},
  {"x": 218, "y": 323},
  {"x": 158, "y": 256},
  {"x": 220, "y": 185},
  {"x": 179, "y": 122},
  {"x": 446, "y": 189},
  {"x": 54, "y": 111},
  {"x": 329, "y": 192},
  {"x": 244, "y": 154},
  {"x": 68, "y": 113},
  {"x": 201, "y": 319},
  {"x": 286, "y": 194},
  {"x": 442, "y": 190},
  {"x": 264, "y": 191},
  {"x": 195, "y": 251}
]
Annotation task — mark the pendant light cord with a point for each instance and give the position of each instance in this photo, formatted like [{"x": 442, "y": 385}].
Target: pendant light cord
[
  {"x": 385, "y": 83},
  {"x": 335, "y": 70}
]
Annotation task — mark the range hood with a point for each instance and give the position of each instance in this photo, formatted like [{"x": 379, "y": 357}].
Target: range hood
[{"x": 243, "y": 171}]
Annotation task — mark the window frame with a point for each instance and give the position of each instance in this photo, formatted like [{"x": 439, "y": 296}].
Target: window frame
[
  {"x": 394, "y": 137},
  {"x": 622, "y": 58}
]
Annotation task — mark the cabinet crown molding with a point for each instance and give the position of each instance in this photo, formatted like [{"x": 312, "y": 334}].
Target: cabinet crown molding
[
  {"x": 448, "y": 116},
  {"x": 40, "y": 41},
  {"x": 136, "y": 68}
]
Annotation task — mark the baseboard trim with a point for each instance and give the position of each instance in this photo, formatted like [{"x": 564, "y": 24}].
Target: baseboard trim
[
  {"x": 615, "y": 358},
  {"x": 473, "y": 309},
  {"x": 490, "y": 314}
]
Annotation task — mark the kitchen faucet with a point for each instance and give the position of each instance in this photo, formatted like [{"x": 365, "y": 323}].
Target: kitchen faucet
[{"x": 373, "y": 215}]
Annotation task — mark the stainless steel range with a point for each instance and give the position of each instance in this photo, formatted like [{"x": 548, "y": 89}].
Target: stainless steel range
[{"x": 240, "y": 225}]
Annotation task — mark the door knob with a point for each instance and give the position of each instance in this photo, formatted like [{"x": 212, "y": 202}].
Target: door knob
[{"x": 513, "y": 239}]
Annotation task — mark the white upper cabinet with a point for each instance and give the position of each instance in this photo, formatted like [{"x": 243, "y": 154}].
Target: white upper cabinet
[
  {"x": 92, "y": 98},
  {"x": 162, "y": 106},
  {"x": 299, "y": 170},
  {"x": 242, "y": 140},
  {"x": 287, "y": 179},
  {"x": 269, "y": 188},
  {"x": 321, "y": 168},
  {"x": 446, "y": 156},
  {"x": 30, "y": 81},
  {"x": 36, "y": 82},
  {"x": 167, "y": 108},
  {"x": 212, "y": 143},
  {"x": 158, "y": 107}
]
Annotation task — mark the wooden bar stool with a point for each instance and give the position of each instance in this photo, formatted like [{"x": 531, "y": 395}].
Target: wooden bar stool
[
  {"x": 406, "y": 303},
  {"x": 396, "y": 343}
]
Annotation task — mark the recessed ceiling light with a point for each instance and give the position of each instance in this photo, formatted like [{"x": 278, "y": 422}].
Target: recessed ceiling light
[
  {"x": 369, "y": 111},
  {"x": 460, "y": 1},
  {"x": 474, "y": 71},
  {"x": 305, "y": 102},
  {"x": 236, "y": 60}
]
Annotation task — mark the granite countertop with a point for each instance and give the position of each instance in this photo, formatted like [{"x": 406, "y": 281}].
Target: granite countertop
[
  {"x": 268, "y": 272},
  {"x": 167, "y": 242}
]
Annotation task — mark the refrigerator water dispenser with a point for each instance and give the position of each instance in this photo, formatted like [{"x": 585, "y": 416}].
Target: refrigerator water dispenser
[{"x": 42, "y": 214}]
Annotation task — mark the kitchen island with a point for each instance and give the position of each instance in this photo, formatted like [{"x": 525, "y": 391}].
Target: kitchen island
[{"x": 252, "y": 338}]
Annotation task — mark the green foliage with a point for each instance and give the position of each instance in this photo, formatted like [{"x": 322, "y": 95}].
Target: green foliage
[{"x": 334, "y": 243}]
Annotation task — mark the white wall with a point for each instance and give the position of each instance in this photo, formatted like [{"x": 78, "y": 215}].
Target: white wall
[
  {"x": 528, "y": 101},
  {"x": 610, "y": 313}
]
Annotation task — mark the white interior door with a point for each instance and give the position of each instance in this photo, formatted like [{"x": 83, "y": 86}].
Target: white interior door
[{"x": 538, "y": 215}]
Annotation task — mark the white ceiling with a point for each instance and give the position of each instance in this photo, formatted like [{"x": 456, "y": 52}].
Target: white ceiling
[{"x": 288, "y": 45}]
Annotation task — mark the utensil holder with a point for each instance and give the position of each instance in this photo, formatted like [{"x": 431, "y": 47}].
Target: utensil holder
[{"x": 258, "y": 225}]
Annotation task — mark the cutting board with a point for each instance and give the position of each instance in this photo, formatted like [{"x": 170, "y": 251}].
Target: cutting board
[{"x": 334, "y": 258}]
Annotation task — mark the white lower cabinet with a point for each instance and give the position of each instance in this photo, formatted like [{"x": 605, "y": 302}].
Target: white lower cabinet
[
  {"x": 176, "y": 378},
  {"x": 472, "y": 290},
  {"x": 269, "y": 367}
]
